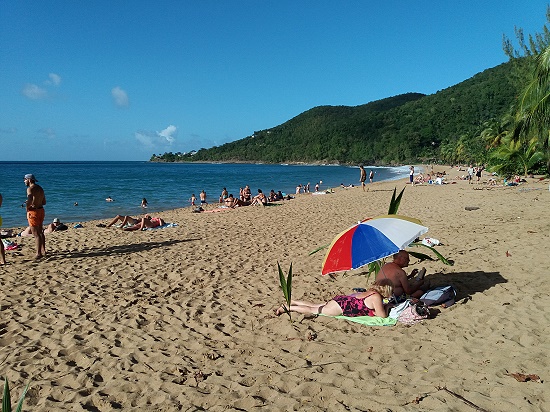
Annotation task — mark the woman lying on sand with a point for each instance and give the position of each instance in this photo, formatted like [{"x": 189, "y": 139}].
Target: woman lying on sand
[
  {"x": 147, "y": 222},
  {"x": 369, "y": 303}
]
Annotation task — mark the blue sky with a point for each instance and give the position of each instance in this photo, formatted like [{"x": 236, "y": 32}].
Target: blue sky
[{"x": 121, "y": 80}]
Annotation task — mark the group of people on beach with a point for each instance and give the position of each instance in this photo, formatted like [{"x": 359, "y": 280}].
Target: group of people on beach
[{"x": 245, "y": 198}]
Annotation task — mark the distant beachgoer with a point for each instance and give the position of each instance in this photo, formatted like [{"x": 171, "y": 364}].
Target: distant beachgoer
[
  {"x": 125, "y": 220},
  {"x": 411, "y": 174},
  {"x": 202, "y": 195},
  {"x": 36, "y": 200},
  {"x": 146, "y": 222},
  {"x": 298, "y": 189},
  {"x": 247, "y": 194},
  {"x": 234, "y": 202},
  {"x": 76, "y": 203},
  {"x": 369, "y": 303},
  {"x": 371, "y": 176},
  {"x": 55, "y": 226},
  {"x": 363, "y": 176},
  {"x": 479, "y": 170},
  {"x": 224, "y": 195},
  {"x": 2, "y": 252},
  {"x": 193, "y": 199},
  {"x": 470, "y": 172},
  {"x": 259, "y": 199},
  {"x": 109, "y": 199},
  {"x": 144, "y": 203},
  {"x": 317, "y": 187}
]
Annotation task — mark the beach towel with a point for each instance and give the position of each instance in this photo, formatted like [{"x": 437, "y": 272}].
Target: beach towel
[
  {"x": 162, "y": 227},
  {"x": 9, "y": 245},
  {"x": 366, "y": 320}
]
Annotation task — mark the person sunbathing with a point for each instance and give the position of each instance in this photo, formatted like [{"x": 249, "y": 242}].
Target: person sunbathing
[
  {"x": 369, "y": 303},
  {"x": 55, "y": 226},
  {"x": 147, "y": 222},
  {"x": 233, "y": 202},
  {"x": 125, "y": 220}
]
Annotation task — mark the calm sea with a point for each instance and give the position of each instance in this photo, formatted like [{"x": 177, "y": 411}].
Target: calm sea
[{"x": 164, "y": 185}]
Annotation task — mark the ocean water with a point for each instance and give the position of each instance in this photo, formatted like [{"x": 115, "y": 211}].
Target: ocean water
[{"x": 164, "y": 185}]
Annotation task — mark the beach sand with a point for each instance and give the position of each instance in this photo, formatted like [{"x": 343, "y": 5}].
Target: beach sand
[{"x": 182, "y": 318}]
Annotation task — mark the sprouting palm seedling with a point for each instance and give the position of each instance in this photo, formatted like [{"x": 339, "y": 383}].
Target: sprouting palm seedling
[
  {"x": 286, "y": 286},
  {"x": 6, "y": 398}
]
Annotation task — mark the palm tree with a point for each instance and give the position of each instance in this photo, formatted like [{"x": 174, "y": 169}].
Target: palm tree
[
  {"x": 517, "y": 156},
  {"x": 496, "y": 130},
  {"x": 532, "y": 123}
]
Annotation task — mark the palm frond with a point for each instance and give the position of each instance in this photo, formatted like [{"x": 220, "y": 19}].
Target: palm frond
[{"x": 439, "y": 255}]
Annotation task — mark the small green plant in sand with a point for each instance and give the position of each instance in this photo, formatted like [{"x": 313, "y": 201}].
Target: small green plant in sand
[
  {"x": 286, "y": 286},
  {"x": 6, "y": 398}
]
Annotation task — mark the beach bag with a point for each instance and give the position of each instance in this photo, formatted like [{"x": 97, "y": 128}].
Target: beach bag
[
  {"x": 439, "y": 295},
  {"x": 414, "y": 313}
]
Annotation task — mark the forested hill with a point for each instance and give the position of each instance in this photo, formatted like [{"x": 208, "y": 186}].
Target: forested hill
[{"x": 404, "y": 128}]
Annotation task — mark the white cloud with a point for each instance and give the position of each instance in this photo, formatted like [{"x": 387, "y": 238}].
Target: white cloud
[
  {"x": 55, "y": 79},
  {"x": 168, "y": 133},
  {"x": 120, "y": 97},
  {"x": 157, "y": 140},
  {"x": 34, "y": 92}
]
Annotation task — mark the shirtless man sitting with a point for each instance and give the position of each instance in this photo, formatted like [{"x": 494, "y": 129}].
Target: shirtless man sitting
[{"x": 402, "y": 285}]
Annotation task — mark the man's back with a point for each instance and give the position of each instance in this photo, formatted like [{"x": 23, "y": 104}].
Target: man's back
[
  {"x": 396, "y": 274},
  {"x": 35, "y": 197}
]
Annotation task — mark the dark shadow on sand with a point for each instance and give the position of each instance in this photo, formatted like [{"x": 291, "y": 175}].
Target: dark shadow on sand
[
  {"x": 467, "y": 283},
  {"x": 116, "y": 250}
]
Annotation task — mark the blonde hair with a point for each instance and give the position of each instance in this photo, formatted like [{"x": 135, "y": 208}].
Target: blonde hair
[{"x": 383, "y": 286}]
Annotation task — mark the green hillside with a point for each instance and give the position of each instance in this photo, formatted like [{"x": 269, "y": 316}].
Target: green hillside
[{"x": 406, "y": 128}]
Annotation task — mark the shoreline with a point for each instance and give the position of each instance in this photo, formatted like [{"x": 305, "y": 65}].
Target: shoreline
[{"x": 182, "y": 317}]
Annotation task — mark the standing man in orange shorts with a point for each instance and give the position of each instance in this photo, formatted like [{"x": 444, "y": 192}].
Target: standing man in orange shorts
[{"x": 36, "y": 199}]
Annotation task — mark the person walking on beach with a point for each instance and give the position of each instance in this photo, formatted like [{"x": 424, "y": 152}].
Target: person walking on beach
[
  {"x": 371, "y": 176},
  {"x": 36, "y": 200},
  {"x": 411, "y": 175},
  {"x": 470, "y": 174},
  {"x": 202, "y": 195},
  {"x": 363, "y": 176},
  {"x": 2, "y": 252}
]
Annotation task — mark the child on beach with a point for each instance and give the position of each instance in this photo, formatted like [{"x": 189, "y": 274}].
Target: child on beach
[{"x": 193, "y": 199}]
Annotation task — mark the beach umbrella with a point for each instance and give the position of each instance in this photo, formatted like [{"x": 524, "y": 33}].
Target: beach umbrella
[{"x": 371, "y": 240}]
